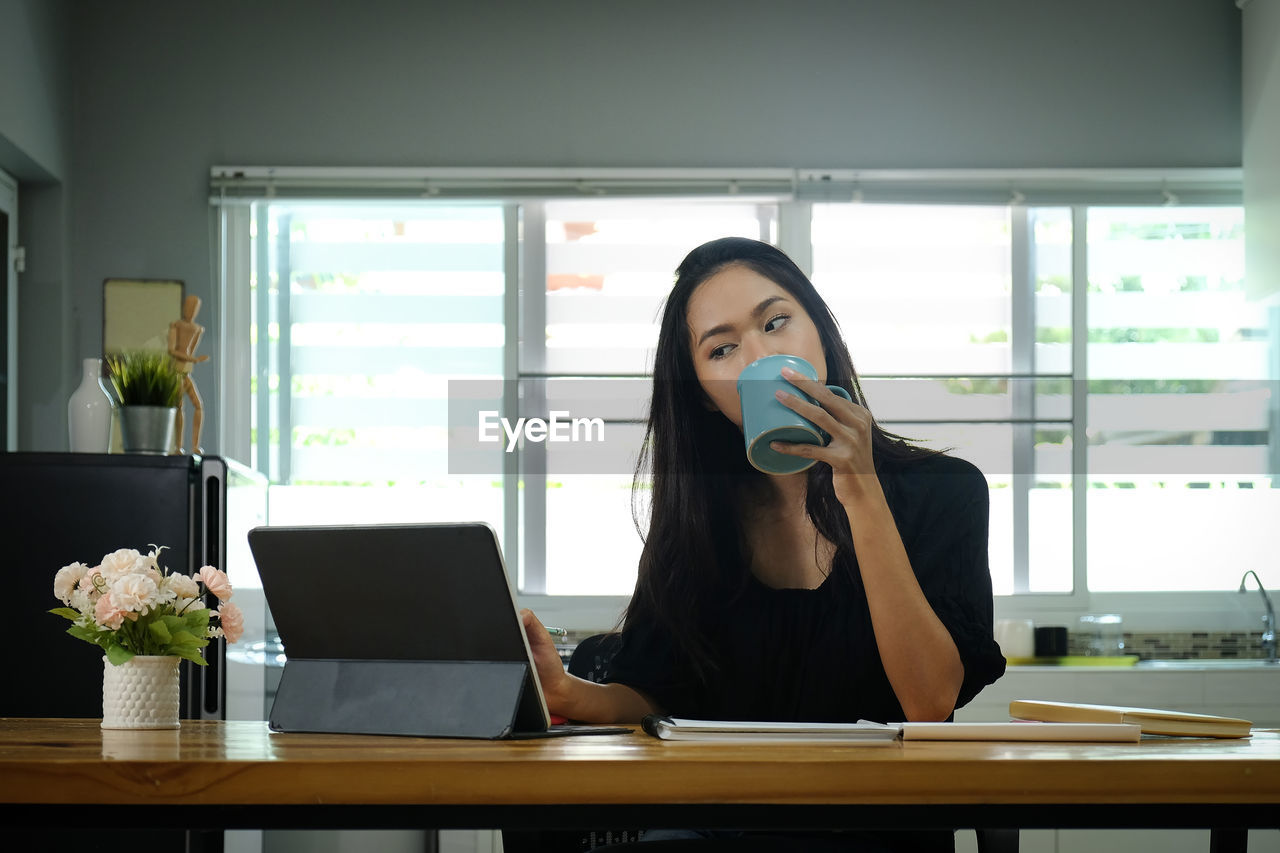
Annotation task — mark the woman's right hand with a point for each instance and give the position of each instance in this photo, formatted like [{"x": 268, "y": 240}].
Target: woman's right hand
[
  {"x": 576, "y": 698},
  {"x": 555, "y": 681}
]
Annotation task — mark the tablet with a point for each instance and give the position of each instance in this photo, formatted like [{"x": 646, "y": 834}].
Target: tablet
[{"x": 402, "y": 629}]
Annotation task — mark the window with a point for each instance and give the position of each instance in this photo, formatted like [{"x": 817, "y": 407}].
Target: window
[
  {"x": 361, "y": 314},
  {"x": 939, "y": 318},
  {"x": 609, "y": 267},
  {"x": 1100, "y": 364},
  {"x": 1179, "y": 404}
]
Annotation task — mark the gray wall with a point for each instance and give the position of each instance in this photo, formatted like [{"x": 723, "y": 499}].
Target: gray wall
[
  {"x": 35, "y": 121},
  {"x": 1261, "y": 150},
  {"x": 165, "y": 90},
  {"x": 34, "y": 97}
]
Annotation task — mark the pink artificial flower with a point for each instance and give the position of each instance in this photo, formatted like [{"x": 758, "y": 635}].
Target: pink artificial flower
[
  {"x": 135, "y": 593},
  {"x": 216, "y": 582},
  {"x": 64, "y": 583},
  {"x": 152, "y": 559},
  {"x": 81, "y": 601},
  {"x": 106, "y": 613},
  {"x": 121, "y": 562},
  {"x": 89, "y": 582},
  {"x": 232, "y": 621},
  {"x": 183, "y": 586}
]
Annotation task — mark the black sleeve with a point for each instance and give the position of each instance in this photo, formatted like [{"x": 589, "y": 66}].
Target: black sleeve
[
  {"x": 647, "y": 661},
  {"x": 949, "y": 557}
]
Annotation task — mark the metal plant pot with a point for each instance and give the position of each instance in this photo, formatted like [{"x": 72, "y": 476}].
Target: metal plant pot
[{"x": 147, "y": 429}]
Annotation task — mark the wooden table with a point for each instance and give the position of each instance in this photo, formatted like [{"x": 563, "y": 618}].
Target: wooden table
[{"x": 238, "y": 774}]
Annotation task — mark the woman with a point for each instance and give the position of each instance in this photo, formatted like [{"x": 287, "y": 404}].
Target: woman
[{"x": 858, "y": 589}]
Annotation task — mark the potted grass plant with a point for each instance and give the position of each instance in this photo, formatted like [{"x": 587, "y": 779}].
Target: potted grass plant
[{"x": 149, "y": 389}]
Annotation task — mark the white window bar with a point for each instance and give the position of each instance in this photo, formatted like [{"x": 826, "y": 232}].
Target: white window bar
[
  {"x": 1022, "y": 337},
  {"x": 511, "y": 293},
  {"x": 1079, "y": 399},
  {"x": 263, "y": 354},
  {"x": 533, "y": 354},
  {"x": 234, "y": 320}
]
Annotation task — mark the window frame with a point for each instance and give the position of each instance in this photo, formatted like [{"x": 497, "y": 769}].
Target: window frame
[
  {"x": 9, "y": 258},
  {"x": 793, "y": 191}
]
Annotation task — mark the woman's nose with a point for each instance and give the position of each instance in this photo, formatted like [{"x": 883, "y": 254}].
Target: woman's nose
[{"x": 755, "y": 347}]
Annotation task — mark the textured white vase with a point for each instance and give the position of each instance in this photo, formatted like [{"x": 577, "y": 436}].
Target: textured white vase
[
  {"x": 89, "y": 411},
  {"x": 141, "y": 693}
]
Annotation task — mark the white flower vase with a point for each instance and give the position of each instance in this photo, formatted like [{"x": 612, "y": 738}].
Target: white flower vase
[
  {"x": 89, "y": 411},
  {"x": 141, "y": 693}
]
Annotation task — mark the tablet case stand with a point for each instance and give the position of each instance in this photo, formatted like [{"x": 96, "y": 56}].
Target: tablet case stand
[
  {"x": 464, "y": 699},
  {"x": 460, "y": 668}
]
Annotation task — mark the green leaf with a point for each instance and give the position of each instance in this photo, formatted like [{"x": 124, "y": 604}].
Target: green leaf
[
  {"x": 191, "y": 655},
  {"x": 118, "y": 654},
  {"x": 145, "y": 378},
  {"x": 67, "y": 612},
  {"x": 184, "y": 640},
  {"x": 89, "y": 635},
  {"x": 160, "y": 631},
  {"x": 197, "y": 621}
]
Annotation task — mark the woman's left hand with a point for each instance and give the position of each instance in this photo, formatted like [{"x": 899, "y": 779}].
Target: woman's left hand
[
  {"x": 849, "y": 425},
  {"x": 919, "y": 655}
]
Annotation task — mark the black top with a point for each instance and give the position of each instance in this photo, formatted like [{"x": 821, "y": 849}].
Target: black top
[{"x": 810, "y": 654}]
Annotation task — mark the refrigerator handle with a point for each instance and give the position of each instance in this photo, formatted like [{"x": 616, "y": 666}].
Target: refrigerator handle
[{"x": 213, "y": 549}]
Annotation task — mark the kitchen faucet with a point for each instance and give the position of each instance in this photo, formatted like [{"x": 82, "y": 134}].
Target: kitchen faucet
[{"x": 1268, "y": 619}]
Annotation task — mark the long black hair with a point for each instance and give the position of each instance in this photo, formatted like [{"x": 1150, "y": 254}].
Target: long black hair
[{"x": 695, "y": 473}]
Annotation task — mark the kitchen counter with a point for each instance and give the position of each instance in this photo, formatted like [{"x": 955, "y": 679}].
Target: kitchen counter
[
  {"x": 1212, "y": 664},
  {"x": 1250, "y": 691}
]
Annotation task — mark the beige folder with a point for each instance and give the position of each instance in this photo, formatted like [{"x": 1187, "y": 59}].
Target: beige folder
[{"x": 1153, "y": 721}]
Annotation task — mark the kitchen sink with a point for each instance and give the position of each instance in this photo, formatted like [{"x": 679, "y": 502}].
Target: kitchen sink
[{"x": 1209, "y": 663}]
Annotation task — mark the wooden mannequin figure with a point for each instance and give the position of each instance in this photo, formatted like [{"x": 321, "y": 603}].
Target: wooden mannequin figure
[{"x": 184, "y": 337}]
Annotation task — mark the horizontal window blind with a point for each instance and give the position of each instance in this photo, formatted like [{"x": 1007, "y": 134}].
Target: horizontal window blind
[{"x": 1044, "y": 187}]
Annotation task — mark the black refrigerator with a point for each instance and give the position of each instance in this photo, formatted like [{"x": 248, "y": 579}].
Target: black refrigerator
[
  {"x": 60, "y": 508},
  {"x": 65, "y": 507}
]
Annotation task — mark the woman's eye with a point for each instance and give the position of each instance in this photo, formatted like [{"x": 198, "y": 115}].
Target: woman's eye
[
  {"x": 721, "y": 351},
  {"x": 777, "y": 322}
]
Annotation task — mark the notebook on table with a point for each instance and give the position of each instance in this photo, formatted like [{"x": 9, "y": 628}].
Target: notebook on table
[
  {"x": 400, "y": 630},
  {"x": 866, "y": 732},
  {"x": 677, "y": 728},
  {"x": 1153, "y": 721}
]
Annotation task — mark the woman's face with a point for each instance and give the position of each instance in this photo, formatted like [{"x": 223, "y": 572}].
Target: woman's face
[{"x": 738, "y": 316}]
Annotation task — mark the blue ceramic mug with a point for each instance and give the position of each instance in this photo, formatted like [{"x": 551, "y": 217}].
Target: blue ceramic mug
[{"x": 766, "y": 419}]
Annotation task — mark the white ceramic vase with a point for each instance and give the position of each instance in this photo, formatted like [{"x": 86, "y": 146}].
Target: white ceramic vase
[
  {"x": 141, "y": 693},
  {"x": 89, "y": 411}
]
